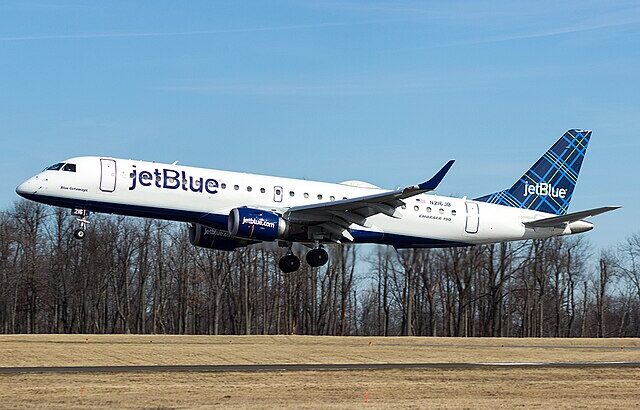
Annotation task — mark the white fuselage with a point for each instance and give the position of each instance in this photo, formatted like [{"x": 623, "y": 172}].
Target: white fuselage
[{"x": 206, "y": 196}]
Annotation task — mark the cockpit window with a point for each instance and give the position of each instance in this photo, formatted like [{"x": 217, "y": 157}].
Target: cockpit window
[
  {"x": 69, "y": 167},
  {"x": 55, "y": 167}
]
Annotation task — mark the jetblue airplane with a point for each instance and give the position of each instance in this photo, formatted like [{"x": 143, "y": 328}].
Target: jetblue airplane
[{"x": 229, "y": 210}]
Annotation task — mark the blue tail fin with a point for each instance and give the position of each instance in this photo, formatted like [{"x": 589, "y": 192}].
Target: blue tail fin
[{"x": 548, "y": 185}]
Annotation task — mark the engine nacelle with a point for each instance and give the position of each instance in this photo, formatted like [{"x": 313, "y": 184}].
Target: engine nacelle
[
  {"x": 205, "y": 237},
  {"x": 256, "y": 224}
]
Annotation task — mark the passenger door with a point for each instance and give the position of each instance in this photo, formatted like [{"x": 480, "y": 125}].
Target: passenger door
[
  {"x": 473, "y": 218},
  {"x": 107, "y": 175}
]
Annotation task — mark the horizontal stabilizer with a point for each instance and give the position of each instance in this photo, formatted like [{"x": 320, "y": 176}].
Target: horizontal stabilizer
[{"x": 560, "y": 221}]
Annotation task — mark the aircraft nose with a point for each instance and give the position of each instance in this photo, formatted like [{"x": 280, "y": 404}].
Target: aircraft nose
[{"x": 30, "y": 186}]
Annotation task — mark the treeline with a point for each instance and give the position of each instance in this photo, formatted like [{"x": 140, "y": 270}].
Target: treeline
[{"x": 143, "y": 276}]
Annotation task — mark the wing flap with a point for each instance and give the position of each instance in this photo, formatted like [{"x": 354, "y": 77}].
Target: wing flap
[
  {"x": 352, "y": 218},
  {"x": 337, "y": 230}
]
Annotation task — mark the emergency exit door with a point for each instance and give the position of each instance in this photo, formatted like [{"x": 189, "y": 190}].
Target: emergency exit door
[
  {"x": 277, "y": 194},
  {"x": 107, "y": 175}
]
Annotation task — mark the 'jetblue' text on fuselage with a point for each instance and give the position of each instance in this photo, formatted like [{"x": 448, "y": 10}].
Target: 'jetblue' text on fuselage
[{"x": 172, "y": 179}]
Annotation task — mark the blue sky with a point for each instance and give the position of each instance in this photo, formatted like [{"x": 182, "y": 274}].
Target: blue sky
[{"x": 384, "y": 92}]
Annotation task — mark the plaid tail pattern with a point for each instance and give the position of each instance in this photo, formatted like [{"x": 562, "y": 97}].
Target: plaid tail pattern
[{"x": 548, "y": 186}]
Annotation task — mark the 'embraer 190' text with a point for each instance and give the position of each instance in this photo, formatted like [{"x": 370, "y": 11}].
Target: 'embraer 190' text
[
  {"x": 172, "y": 179},
  {"x": 544, "y": 189}
]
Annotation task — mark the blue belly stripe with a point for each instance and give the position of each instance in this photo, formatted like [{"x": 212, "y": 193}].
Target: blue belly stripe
[{"x": 219, "y": 221}]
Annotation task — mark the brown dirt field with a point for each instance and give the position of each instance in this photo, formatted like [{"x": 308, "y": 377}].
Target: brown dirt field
[
  {"x": 83, "y": 350},
  {"x": 473, "y": 388},
  {"x": 543, "y": 388}
]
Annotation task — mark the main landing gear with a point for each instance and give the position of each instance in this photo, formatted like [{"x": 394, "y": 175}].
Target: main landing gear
[
  {"x": 315, "y": 258},
  {"x": 81, "y": 217},
  {"x": 289, "y": 263}
]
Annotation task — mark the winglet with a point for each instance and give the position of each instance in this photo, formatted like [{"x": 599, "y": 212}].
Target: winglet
[{"x": 431, "y": 184}]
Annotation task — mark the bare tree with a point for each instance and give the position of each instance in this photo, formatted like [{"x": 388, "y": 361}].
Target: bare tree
[{"x": 143, "y": 276}]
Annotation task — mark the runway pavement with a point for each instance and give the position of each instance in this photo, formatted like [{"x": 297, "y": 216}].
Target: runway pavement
[{"x": 253, "y": 368}]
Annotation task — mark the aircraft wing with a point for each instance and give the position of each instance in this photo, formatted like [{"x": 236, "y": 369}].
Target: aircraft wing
[
  {"x": 561, "y": 221},
  {"x": 333, "y": 218}
]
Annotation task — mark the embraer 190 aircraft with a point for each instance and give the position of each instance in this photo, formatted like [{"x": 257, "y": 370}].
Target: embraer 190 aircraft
[{"x": 229, "y": 210}]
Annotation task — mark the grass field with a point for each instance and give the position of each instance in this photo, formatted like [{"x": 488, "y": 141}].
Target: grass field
[
  {"x": 500, "y": 387},
  {"x": 79, "y": 350}
]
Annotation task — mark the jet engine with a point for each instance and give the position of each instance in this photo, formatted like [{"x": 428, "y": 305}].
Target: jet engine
[
  {"x": 256, "y": 224},
  {"x": 205, "y": 237}
]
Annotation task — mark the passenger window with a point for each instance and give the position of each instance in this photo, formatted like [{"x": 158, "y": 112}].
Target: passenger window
[
  {"x": 55, "y": 167},
  {"x": 415, "y": 208},
  {"x": 428, "y": 209},
  {"x": 262, "y": 190},
  {"x": 236, "y": 187},
  {"x": 453, "y": 212},
  {"x": 146, "y": 176},
  {"x": 404, "y": 206},
  {"x": 344, "y": 197},
  {"x": 249, "y": 189},
  {"x": 69, "y": 167},
  {"x": 222, "y": 185},
  {"x": 319, "y": 196},
  {"x": 291, "y": 193},
  {"x": 278, "y": 192},
  {"x": 306, "y": 195},
  {"x": 332, "y": 198},
  {"x": 441, "y": 210}
]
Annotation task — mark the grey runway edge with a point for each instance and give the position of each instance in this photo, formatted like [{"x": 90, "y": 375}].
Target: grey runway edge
[{"x": 252, "y": 368}]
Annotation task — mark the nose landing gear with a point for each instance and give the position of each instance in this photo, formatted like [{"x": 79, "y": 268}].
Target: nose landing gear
[
  {"x": 82, "y": 218},
  {"x": 78, "y": 234}
]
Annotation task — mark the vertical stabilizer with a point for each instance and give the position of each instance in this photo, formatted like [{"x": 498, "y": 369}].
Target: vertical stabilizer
[{"x": 548, "y": 185}]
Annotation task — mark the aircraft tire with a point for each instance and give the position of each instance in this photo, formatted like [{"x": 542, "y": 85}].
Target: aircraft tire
[
  {"x": 317, "y": 257},
  {"x": 289, "y": 263}
]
